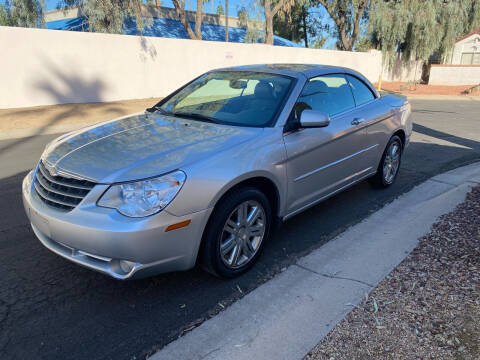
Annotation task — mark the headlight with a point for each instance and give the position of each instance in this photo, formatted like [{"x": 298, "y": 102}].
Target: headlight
[{"x": 145, "y": 197}]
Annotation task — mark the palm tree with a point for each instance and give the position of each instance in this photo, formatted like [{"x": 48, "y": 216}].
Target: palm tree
[{"x": 226, "y": 20}]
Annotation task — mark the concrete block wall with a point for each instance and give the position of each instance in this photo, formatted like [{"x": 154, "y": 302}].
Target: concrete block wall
[{"x": 454, "y": 75}]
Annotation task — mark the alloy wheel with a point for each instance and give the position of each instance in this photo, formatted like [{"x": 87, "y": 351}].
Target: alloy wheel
[
  {"x": 242, "y": 234},
  {"x": 391, "y": 162}
]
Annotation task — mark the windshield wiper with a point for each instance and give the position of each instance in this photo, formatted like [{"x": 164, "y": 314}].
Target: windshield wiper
[
  {"x": 197, "y": 116},
  {"x": 159, "y": 109}
]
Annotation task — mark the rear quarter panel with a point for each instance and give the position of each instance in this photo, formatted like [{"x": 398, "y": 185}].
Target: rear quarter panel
[{"x": 392, "y": 115}]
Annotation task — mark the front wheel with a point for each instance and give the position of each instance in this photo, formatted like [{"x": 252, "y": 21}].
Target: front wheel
[
  {"x": 389, "y": 164},
  {"x": 236, "y": 232}
]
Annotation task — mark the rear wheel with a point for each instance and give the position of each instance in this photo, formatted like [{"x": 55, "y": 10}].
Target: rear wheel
[
  {"x": 389, "y": 164},
  {"x": 236, "y": 232}
]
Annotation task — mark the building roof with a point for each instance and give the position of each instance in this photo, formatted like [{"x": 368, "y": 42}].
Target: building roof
[
  {"x": 169, "y": 28},
  {"x": 474, "y": 32}
]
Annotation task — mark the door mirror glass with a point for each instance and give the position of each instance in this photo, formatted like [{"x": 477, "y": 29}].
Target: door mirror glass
[{"x": 314, "y": 119}]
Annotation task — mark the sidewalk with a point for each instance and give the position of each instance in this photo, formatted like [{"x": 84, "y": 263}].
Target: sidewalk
[
  {"x": 42, "y": 120},
  {"x": 428, "y": 307},
  {"x": 287, "y": 316}
]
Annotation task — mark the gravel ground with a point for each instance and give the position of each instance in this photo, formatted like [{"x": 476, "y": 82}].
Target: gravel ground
[
  {"x": 422, "y": 89},
  {"x": 428, "y": 307}
]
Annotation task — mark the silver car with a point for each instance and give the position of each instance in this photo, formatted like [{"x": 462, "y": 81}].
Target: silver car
[{"x": 204, "y": 175}]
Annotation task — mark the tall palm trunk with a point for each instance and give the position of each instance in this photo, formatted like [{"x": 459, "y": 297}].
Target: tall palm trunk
[
  {"x": 198, "y": 20},
  {"x": 226, "y": 20}
]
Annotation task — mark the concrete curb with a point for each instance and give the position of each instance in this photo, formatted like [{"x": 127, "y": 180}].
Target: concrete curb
[
  {"x": 443, "y": 97},
  {"x": 287, "y": 316}
]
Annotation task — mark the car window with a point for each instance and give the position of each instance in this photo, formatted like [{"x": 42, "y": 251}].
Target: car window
[
  {"x": 231, "y": 97},
  {"x": 361, "y": 93},
  {"x": 329, "y": 93},
  {"x": 213, "y": 90}
]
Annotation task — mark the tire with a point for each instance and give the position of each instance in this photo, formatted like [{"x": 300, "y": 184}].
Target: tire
[
  {"x": 384, "y": 176},
  {"x": 230, "y": 246}
]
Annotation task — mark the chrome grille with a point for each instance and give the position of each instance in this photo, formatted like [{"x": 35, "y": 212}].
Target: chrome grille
[{"x": 59, "y": 191}]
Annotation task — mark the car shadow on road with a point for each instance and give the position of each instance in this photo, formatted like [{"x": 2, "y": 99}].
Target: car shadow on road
[{"x": 49, "y": 305}]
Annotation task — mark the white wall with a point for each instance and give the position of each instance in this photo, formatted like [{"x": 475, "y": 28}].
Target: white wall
[
  {"x": 44, "y": 67},
  {"x": 401, "y": 71},
  {"x": 454, "y": 75}
]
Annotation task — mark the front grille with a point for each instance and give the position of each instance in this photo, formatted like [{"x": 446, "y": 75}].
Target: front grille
[{"x": 59, "y": 191}]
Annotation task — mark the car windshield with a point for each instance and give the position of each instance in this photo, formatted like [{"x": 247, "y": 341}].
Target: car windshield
[{"x": 239, "y": 98}]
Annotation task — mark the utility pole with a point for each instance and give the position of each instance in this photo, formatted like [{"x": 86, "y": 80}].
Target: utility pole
[
  {"x": 212, "y": 7},
  {"x": 226, "y": 20}
]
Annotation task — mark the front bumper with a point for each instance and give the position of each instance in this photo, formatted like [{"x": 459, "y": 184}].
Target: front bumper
[{"x": 100, "y": 238}]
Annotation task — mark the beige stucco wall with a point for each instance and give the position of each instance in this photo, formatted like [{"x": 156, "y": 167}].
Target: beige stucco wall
[
  {"x": 401, "y": 71},
  {"x": 44, "y": 67},
  {"x": 454, "y": 75}
]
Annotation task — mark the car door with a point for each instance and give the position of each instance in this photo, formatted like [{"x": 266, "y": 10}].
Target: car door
[
  {"x": 373, "y": 116},
  {"x": 321, "y": 161}
]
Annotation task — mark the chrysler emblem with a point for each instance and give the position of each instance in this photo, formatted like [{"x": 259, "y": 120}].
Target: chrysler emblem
[{"x": 51, "y": 169}]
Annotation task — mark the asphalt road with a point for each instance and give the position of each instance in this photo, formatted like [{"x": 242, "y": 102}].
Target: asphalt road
[{"x": 53, "y": 309}]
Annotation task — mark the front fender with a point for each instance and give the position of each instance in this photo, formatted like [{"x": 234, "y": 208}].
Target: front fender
[{"x": 208, "y": 180}]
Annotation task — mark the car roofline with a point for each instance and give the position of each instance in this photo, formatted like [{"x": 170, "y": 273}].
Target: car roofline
[{"x": 310, "y": 70}]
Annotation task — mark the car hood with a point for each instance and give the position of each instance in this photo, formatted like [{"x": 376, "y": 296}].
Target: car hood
[{"x": 140, "y": 146}]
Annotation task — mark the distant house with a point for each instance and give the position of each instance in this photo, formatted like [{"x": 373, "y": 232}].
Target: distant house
[
  {"x": 467, "y": 50},
  {"x": 165, "y": 24}
]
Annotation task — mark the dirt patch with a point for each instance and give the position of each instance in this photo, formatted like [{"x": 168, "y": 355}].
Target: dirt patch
[
  {"x": 421, "y": 89},
  {"x": 428, "y": 307}
]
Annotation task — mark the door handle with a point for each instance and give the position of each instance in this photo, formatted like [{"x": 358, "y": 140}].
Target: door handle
[{"x": 357, "y": 121}]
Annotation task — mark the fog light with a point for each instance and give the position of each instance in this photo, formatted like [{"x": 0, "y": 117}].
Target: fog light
[{"x": 126, "y": 266}]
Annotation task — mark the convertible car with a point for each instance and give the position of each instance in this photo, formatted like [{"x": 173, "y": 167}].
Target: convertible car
[{"x": 203, "y": 175}]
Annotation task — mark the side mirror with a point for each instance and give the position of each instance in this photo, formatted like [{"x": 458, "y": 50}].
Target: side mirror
[{"x": 314, "y": 119}]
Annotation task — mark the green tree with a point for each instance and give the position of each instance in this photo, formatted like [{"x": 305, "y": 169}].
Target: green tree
[
  {"x": 346, "y": 15},
  {"x": 220, "y": 11},
  {"x": 108, "y": 16},
  {"x": 271, "y": 9},
  {"x": 24, "y": 13},
  {"x": 248, "y": 18},
  {"x": 182, "y": 15},
  {"x": 243, "y": 17},
  {"x": 420, "y": 29},
  {"x": 319, "y": 42},
  {"x": 364, "y": 43},
  {"x": 300, "y": 23}
]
